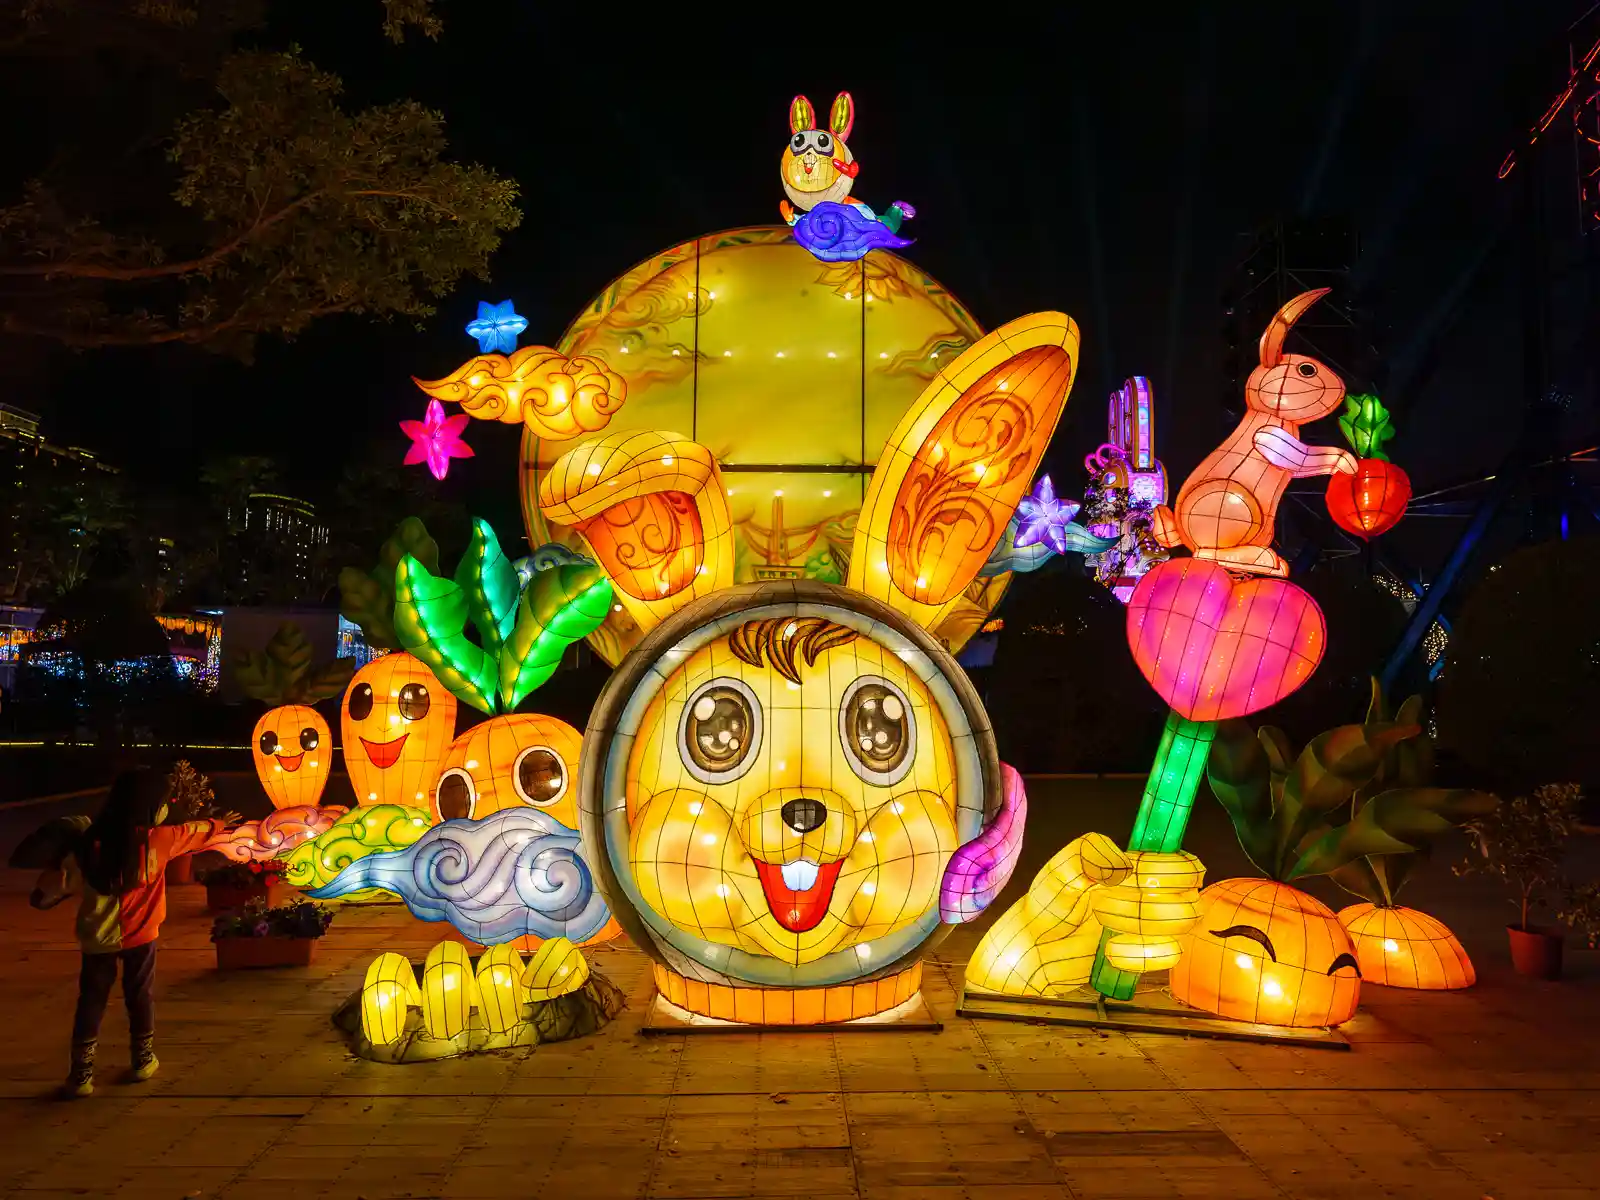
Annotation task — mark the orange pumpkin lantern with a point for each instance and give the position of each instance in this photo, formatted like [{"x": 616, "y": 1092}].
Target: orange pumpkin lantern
[
  {"x": 293, "y": 751},
  {"x": 1266, "y": 952},
  {"x": 1401, "y": 947},
  {"x": 397, "y": 722},
  {"x": 521, "y": 759}
]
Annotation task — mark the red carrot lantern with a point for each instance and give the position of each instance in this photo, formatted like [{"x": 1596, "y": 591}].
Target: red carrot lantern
[{"x": 1371, "y": 501}]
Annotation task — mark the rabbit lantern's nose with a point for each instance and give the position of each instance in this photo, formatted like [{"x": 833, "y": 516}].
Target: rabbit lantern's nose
[{"x": 803, "y": 815}]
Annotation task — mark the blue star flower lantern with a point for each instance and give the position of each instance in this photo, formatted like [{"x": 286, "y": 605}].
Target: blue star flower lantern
[{"x": 497, "y": 327}]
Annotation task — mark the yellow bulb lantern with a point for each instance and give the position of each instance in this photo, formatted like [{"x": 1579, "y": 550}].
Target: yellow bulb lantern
[
  {"x": 501, "y": 991},
  {"x": 387, "y": 994},
  {"x": 396, "y": 722},
  {"x": 292, "y": 748},
  {"x": 1269, "y": 953},
  {"x": 556, "y": 968},
  {"x": 449, "y": 990}
]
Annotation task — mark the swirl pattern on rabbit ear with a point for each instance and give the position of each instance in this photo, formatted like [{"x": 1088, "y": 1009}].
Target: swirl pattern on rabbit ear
[
  {"x": 514, "y": 873},
  {"x": 844, "y": 232}
]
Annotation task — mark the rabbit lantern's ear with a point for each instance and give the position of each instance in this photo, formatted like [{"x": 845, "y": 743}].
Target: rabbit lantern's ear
[
  {"x": 842, "y": 117},
  {"x": 652, "y": 510},
  {"x": 801, "y": 115},
  {"x": 958, "y": 464},
  {"x": 1272, "y": 340}
]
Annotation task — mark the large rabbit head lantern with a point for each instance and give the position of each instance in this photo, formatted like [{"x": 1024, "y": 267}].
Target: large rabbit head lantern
[{"x": 789, "y": 787}]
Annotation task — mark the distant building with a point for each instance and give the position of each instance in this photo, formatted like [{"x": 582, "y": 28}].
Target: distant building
[
  {"x": 287, "y": 528},
  {"x": 24, "y": 452}
]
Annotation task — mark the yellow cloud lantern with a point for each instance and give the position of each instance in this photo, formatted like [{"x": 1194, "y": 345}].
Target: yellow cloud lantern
[
  {"x": 387, "y": 994},
  {"x": 396, "y": 722},
  {"x": 449, "y": 990},
  {"x": 795, "y": 787},
  {"x": 1044, "y": 945},
  {"x": 556, "y": 969},
  {"x": 1266, "y": 952}
]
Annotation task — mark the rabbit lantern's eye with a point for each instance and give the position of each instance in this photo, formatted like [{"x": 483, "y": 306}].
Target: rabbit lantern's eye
[
  {"x": 824, "y": 144},
  {"x": 877, "y": 730},
  {"x": 797, "y": 143},
  {"x": 269, "y": 742},
  {"x": 308, "y": 738},
  {"x": 721, "y": 731},
  {"x": 539, "y": 776},
  {"x": 1307, "y": 369},
  {"x": 414, "y": 701}
]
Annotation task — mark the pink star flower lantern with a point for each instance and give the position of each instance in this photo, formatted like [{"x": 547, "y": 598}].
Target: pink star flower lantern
[{"x": 436, "y": 439}]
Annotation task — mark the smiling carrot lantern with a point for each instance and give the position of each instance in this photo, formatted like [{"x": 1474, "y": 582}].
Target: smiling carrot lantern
[
  {"x": 397, "y": 721},
  {"x": 1267, "y": 952},
  {"x": 291, "y": 745},
  {"x": 789, "y": 789}
]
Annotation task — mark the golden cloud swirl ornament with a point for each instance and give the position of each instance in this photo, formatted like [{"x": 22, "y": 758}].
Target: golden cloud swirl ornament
[
  {"x": 789, "y": 790},
  {"x": 369, "y": 829},
  {"x": 554, "y": 396}
]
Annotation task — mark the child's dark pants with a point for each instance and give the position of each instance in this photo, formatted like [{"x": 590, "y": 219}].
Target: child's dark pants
[{"x": 98, "y": 973}]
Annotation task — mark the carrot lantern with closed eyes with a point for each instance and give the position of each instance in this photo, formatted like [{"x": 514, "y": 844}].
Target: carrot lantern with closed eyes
[{"x": 1267, "y": 952}]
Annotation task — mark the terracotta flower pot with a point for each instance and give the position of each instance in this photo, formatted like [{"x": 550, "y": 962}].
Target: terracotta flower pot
[
  {"x": 180, "y": 869},
  {"x": 243, "y": 953},
  {"x": 1535, "y": 952}
]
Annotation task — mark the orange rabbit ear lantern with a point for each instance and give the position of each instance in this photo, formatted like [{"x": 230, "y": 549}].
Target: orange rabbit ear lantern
[
  {"x": 1269, "y": 953},
  {"x": 1401, "y": 947},
  {"x": 293, "y": 752},
  {"x": 397, "y": 721}
]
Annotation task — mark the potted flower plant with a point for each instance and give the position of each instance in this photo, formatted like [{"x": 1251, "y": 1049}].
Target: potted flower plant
[
  {"x": 259, "y": 936},
  {"x": 235, "y": 885},
  {"x": 1521, "y": 843},
  {"x": 192, "y": 800}
]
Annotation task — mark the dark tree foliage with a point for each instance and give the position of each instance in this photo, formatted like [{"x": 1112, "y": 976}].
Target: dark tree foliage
[
  {"x": 1521, "y": 684},
  {"x": 172, "y": 184}
]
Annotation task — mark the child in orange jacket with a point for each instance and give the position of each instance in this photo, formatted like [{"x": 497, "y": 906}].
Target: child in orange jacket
[{"x": 118, "y": 866}]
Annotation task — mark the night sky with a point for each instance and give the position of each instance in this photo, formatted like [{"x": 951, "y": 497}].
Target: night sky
[{"x": 1103, "y": 161}]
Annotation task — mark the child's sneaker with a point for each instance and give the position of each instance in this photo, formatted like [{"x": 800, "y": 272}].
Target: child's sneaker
[
  {"x": 145, "y": 1062},
  {"x": 80, "y": 1078}
]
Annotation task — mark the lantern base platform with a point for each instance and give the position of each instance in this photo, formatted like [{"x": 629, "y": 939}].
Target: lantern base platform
[
  {"x": 665, "y": 1017},
  {"x": 1152, "y": 1011}
]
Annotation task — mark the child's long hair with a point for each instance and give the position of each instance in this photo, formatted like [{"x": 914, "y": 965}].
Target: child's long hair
[{"x": 114, "y": 849}]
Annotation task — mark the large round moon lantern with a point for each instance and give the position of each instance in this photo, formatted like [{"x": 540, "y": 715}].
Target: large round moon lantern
[{"x": 833, "y": 354}]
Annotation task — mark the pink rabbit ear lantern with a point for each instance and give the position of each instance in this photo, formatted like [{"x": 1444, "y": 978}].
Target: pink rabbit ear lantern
[{"x": 1228, "y": 508}]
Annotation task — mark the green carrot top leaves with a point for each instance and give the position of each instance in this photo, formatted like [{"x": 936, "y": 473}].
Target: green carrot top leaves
[
  {"x": 282, "y": 673},
  {"x": 1319, "y": 813},
  {"x": 1366, "y": 425}
]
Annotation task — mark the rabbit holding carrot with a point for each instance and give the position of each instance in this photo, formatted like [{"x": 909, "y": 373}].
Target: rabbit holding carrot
[{"x": 1228, "y": 506}]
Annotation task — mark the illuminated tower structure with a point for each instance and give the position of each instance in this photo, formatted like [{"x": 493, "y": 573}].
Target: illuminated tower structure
[{"x": 1127, "y": 462}]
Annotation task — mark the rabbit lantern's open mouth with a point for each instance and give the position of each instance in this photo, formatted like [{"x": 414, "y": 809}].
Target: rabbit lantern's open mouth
[{"x": 798, "y": 893}]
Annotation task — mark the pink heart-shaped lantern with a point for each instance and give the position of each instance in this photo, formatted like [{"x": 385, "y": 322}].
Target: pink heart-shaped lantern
[{"x": 1216, "y": 647}]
